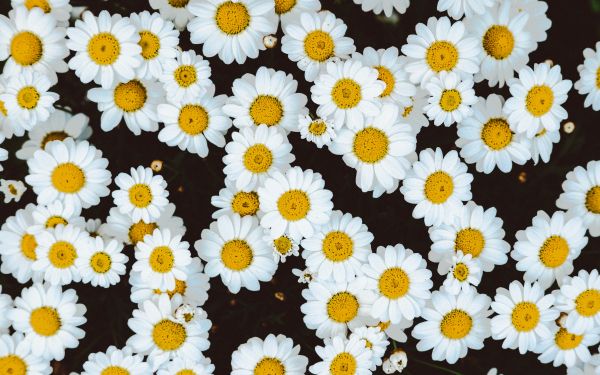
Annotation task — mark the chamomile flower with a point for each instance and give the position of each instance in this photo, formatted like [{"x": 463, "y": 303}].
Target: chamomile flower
[
  {"x": 440, "y": 46},
  {"x": 304, "y": 276},
  {"x": 581, "y": 195},
  {"x": 319, "y": 131},
  {"x": 395, "y": 331},
  {"x": 295, "y": 203},
  {"x": 106, "y": 48},
  {"x": 6, "y": 303},
  {"x": 273, "y": 355},
  {"x": 591, "y": 367},
  {"x": 59, "y": 9},
  {"x": 450, "y": 98},
  {"x": 397, "y": 362},
  {"x": 141, "y": 194},
  {"x": 118, "y": 361},
  {"x": 463, "y": 272},
  {"x": 378, "y": 148},
  {"x": 234, "y": 248},
  {"x": 538, "y": 22},
  {"x": 290, "y": 10},
  {"x": 537, "y": 98},
  {"x": 542, "y": 144},
  {"x": 49, "y": 318},
  {"x": 255, "y": 153},
  {"x": 331, "y": 308},
  {"x": 468, "y": 8},
  {"x": 12, "y": 190},
  {"x": 102, "y": 263},
  {"x": 454, "y": 324},
  {"x": 414, "y": 113},
  {"x": 269, "y": 98},
  {"x": 545, "y": 250},
  {"x": 135, "y": 101},
  {"x": 589, "y": 73},
  {"x": 313, "y": 40},
  {"x": 341, "y": 355},
  {"x": 233, "y": 29},
  {"x": 232, "y": 200},
  {"x": 192, "y": 366},
  {"x": 347, "y": 92},
  {"x": 385, "y": 6},
  {"x": 74, "y": 172},
  {"x": 16, "y": 357},
  {"x": 375, "y": 340},
  {"x": 186, "y": 76},
  {"x": 525, "y": 316},
  {"x": 579, "y": 298},
  {"x": 92, "y": 226},
  {"x": 339, "y": 248},
  {"x": 55, "y": 213},
  {"x": 283, "y": 246},
  {"x": 437, "y": 184},
  {"x": 174, "y": 10},
  {"x": 565, "y": 348}
]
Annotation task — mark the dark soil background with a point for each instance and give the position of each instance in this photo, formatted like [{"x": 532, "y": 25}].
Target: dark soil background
[{"x": 192, "y": 181}]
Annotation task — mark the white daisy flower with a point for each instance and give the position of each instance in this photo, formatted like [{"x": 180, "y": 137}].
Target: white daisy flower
[
  {"x": 579, "y": 298},
  {"x": 116, "y": 361},
  {"x": 186, "y": 76},
  {"x": 396, "y": 331},
  {"x": 545, "y": 250},
  {"x": 273, "y": 355},
  {"x": 304, "y": 276},
  {"x": 414, "y": 113},
  {"x": 589, "y": 82},
  {"x": 591, "y": 367},
  {"x": 16, "y": 357},
  {"x": 341, "y": 355},
  {"x": 106, "y": 48},
  {"x": 581, "y": 195},
  {"x": 525, "y": 316},
  {"x": 566, "y": 348},
  {"x": 174, "y": 10},
  {"x": 347, "y": 92},
  {"x": 450, "y": 98},
  {"x": 291, "y": 10},
  {"x": 396, "y": 363},
  {"x": 463, "y": 272},
  {"x": 55, "y": 213},
  {"x": 59, "y": 9},
  {"x": 102, "y": 263},
  {"x": 437, "y": 184},
  {"x": 92, "y": 226},
  {"x": 192, "y": 366},
  {"x": 385, "y": 6},
  {"x": 295, "y": 203},
  {"x": 319, "y": 131},
  {"x": 375, "y": 341},
  {"x": 255, "y": 153},
  {"x": 12, "y": 190},
  {"x": 538, "y": 22},
  {"x": 231, "y": 200},
  {"x": 283, "y": 246},
  {"x": 268, "y": 98},
  {"x": 233, "y": 29},
  {"x": 234, "y": 248},
  {"x": 338, "y": 248},
  {"x": 74, "y": 172},
  {"x": 542, "y": 144},
  {"x": 313, "y": 40},
  {"x": 49, "y": 318},
  {"x": 537, "y": 98},
  {"x": 468, "y": 8},
  {"x": 454, "y": 324},
  {"x": 141, "y": 194},
  {"x": 8, "y": 127}
]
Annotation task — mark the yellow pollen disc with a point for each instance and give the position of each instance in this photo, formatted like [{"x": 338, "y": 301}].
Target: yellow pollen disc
[
  {"x": 450, "y": 100},
  {"x": 566, "y": 340},
  {"x": 180, "y": 288},
  {"x": 597, "y": 79},
  {"x": 394, "y": 283},
  {"x": 469, "y": 241},
  {"x": 3, "y": 109},
  {"x": 370, "y": 145},
  {"x": 162, "y": 259},
  {"x": 456, "y": 324},
  {"x": 525, "y": 316},
  {"x": 168, "y": 335},
  {"x": 12, "y": 189},
  {"x": 237, "y": 255},
  {"x": 53, "y": 221},
  {"x": 42, "y": 4},
  {"x": 130, "y": 96},
  {"x": 319, "y": 46},
  {"x": 343, "y": 364},
  {"x": 592, "y": 200},
  {"x": 232, "y": 18},
  {"x": 342, "y": 307},
  {"x": 346, "y": 93},
  {"x": 317, "y": 127},
  {"x": 388, "y": 78},
  {"x": 140, "y": 195},
  {"x": 104, "y": 49},
  {"x": 62, "y": 254},
  {"x": 185, "y": 372},
  {"x": 114, "y": 370},
  {"x": 245, "y": 203},
  {"x": 438, "y": 187},
  {"x": 53, "y": 136},
  {"x": 178, "y": 3},
  {"x": 442, "y": 55},
  {"x": 258, "y": 158},
  {"x": 539, "y": 100},
  {"x": 12, "y": 365},
  {"x": 496, "y": 134},
  {"x": 28, "y": 246},
  {"x": 100, "y": 262},
  {"x": 554, "y": 252},
  {"x": 28, "y": 97},
  {"x": 284, "y": 6},
  {"x": 337, "y": 246},
  {"x": 368, "y": 344},
  {"x": 407, "y": 111},
  {"x": 185, "y": 75},
  {"x": 498, "y": 42},
  {"x": 587, "y": 302},
  {"x": 150, "y": 45},
  {"x": 269, "y": 366},
  {"x": 138, "y": 230},
  {"x": 293, "y": 205},
  {"x": 266, "y": 109},
  {"x": 461, "y": 272},
  {"x": 45, "y": 321},
  {"x": 283, "y": 245},
  {"x": 26, "y": 48},
  {"x": 384, "y": 325}
]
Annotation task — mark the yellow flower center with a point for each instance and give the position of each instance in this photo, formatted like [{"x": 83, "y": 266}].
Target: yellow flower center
[
  {"x": 384, "y": 325},
  {"x": 185, "y": 372},
  {"x": 193, "y": 119},
  {"x": 104, "y": 49},
  {"x": 496, "y": 134},
  {"x": 554, "y": 252},
  {"x": 469, "y": 241},
  {"x": 566, "y": 340},
  {"x": 62, "y": 254},
  {"x": 130, "y": 96},
  {"x": 237, "y": 255},
  {"x": 346, "y": 93},
  {"x": 114, "y": 370},
  {"x": 587, "y": 302},
  {"x": 539, "y": 100},
  {"x": 185, "y": 75},
  {"x": 438, "y": 187},
  {"x": 28, "y": 97},
  {"x": 100, "y": 262},
  {"x": 342, "y": 307},
  {"x": 337, "y": 246},
  {"x": 456, "y": 324},
  {"x": 266, "y": 109},
  {"x": 138, "y": 230},
  {"x": 343, "y": 364},
  {"x": 53, "y": 221},
  {"x": 232, "y": 18},
  {"x": 180, "y": 288},
  {"x": 388, "y": 78},
  {"x": 592, "y": 200},
  {"x": 53, "y": 136},
  {"x": 317, "y": 127},
  {"x": 12, "y": 365},
  {"x": 45, "y": 321},
  {"x": 269, "y": 366},
  {"x": 370, "y": 145},
  {"x": 283, "y": 245},
  {"x": 178, "y": 3},
  {"x": 597, "y": 79},
  {"x": 442, "y": 55},
  {"x": 394, "y": 283},
  {"x": 498, "y": 42},
  {"x": 245, "y": 203},
  {"x": 28, "y": 246},
  {"x": 319, "y": 46},
  {"x": 150, "y": 45},
  {"x": 42, "y": 4},
  {"x": 460, "y": 272},
  {"x": 12, "y": 189},
  {"x": 140, "y": 195},
  {"x": 284, "y": 6},
  {"x": 26, "y": 48},
  {"x": 162, "y": 259},
  {"x": 525, "y": 316},
  {"x": 450, "y": 100},
  {"x": 168, "y": 335},
  {"x": 293, "y": 205},
  {"x": 258, "y": 158}
]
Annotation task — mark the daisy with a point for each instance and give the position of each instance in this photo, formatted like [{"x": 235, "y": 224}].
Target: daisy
[
  {"x": 233, "y": 247},
  {"x": 186, "y": 76},
  {"x": 525, "y": 316},
  {"x": 186, "y": 366},
  {"x": 254, "y": 154},
  {"x": 589, "y": 81},
  {"x": 581, "y": 195},
  {"x": 565, "y": 348},
  {"x": 397, "y": 362},
  {"x": 115, "y": 361},
  {"x": 74, "y": 172},
  {"x": 16, "y": 357},
  {"x": 315, "y": 39},
  {"x": 579, "y": 298},
  {"x": 273, "y": 355},
  {"x": 437, "y": 184},
  {"x": 141, "y": 194},
  {"x": 440, "y": 46},
  {"x": 338, "y": 249},
  {"x": 106, "y": 48},
  {"x": 378, "y": 148},
  {"x": 283, "y": 246},
  {"x": 450, "y": 99},
  {"x": 591, "y": 367},
  {"x": 174, "y": 10},
  {"x": 55, "y": 213},
  {"x": 233, "y": 29},
  {"x": 12, "y": 190},
  {"x": 59, "y": 9},
  {"x": 395, "y": 331},
  {"x": 134, "y": 100},
  {"x": 8, "y": 127},
  {"x": 234, "y": 201},
  {"x": 545, "y": 250},
  {"x": 268, "y": 98},
  {"x": 385, "y": 6},
  {"x": 331, "y": 308},
  {"x": 340, "y": 355},
  {"x": 537, "y": 98},
  {"x": 414, "y": 113},
  {"x": 375, "y": 341},
  {"x": 102, "y": 263},
  {"x": 92, "y": 226},
  {"x": 319, "y": 131},
  {"x": 542, "y": 144},
  {"x": 454, "y": 324},
  {"x": 161, "y": 337},
  {"x": 468, "y": 8},
  {"x": 295, "y": 203},
  {"x": 538, "y": 22},
  {"x": 486, "y": 139},
  {"x": 347, "y": 92},
  {"x": 463, "y": 272},
  {"x": 49, "y": 318},
  {"x": 304, "y": 276}
]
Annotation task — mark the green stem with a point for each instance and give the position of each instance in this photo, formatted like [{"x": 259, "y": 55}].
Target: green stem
[{"x": 436, "y": 366}]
